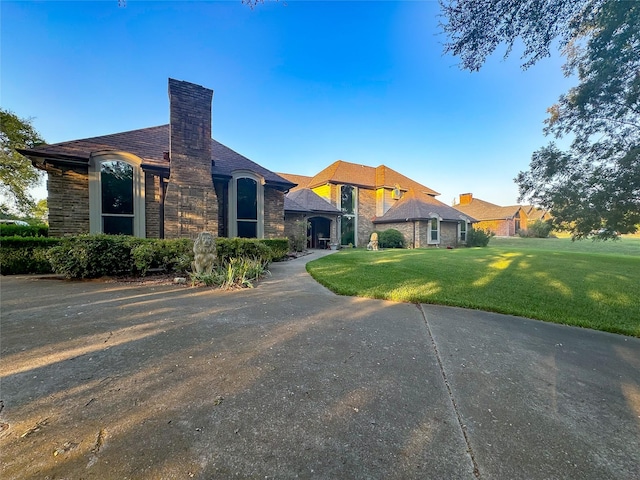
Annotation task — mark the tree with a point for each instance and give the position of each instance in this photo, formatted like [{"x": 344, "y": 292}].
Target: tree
[
  {"x": 595, "y": 186},
  {"x": 17, "y": 175}
]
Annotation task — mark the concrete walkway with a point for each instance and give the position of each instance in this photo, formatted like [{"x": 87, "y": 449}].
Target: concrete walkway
[{"x": 288, "y": 380}]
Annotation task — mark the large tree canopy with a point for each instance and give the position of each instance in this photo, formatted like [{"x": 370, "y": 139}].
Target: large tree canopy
[
  {"x": 595, "y": 186},
  {"x": 17, "y": 175}
]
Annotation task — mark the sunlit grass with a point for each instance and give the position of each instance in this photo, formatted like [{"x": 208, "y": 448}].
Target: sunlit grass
[{"x": 594, "y": 286}]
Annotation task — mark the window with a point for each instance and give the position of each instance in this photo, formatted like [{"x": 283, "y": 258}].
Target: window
[
  {"x": 348, "y": 205},
  {"x": 247, "y": 204},
  {"x": 463, "y": 231},
  {"x": 246, "y": 207},
  {"x": 116, "y": 195},
  {"x": 434, "y": 231}
]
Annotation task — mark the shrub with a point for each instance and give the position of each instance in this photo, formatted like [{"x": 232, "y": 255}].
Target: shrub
[
  {"x": 298, "y": 239},
  {"x": 478, "y": 238},
  {"x": 228, "y": 248},
  {"x": 93, "y": 256},
  {"x": 19, "y": 255},
  {"x": 537, "y": 229},
  {"x": 278, "y": 246},
  {"x": 390, "y": 238},
  {"x": 12, "y": 230},
  {"x": 170, "y": 256}
]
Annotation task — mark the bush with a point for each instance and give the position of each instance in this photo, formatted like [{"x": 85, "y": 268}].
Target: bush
[
  {"x": 12, "y": 230},
  {"x": 228, "y": 248},
  {"x": 390, "y": 238},
  {"x": 170, "y": 256},
  {"x": 298, "y": 239},
  {"x": 20, "y": 255},
  {"x": 478, "y": 238},
  {"x": 93, "y": 256},
  {"x": 278, "y": 246},
  {"x": 537, "y": 229}
]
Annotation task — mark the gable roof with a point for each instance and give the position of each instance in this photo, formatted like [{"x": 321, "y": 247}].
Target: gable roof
[
  {"x": 419, "y": 206},
  {"x": 488, "y": 211},
  {"x": 151, "y": 145},
  {"x": 310, "y": 201},
  {"x": 301, "y": 181},
  {"x": 341, "y": 172}
]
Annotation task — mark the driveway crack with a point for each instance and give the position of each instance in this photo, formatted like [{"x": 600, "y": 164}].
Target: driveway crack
[{"x": 463, "y": 428}]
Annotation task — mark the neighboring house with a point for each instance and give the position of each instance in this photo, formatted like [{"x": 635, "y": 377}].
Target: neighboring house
[
  {"x": 536, "y": 213},
  {"x": 502, "y": 221},
  {"x": 161, "y": 182},
  {"x": 370, "y": 199}
]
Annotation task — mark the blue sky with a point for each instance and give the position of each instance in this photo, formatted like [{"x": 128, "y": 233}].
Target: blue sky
[{"x": 297, "y": 85}]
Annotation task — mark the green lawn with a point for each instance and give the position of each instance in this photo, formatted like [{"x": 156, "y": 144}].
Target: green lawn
[{"x": 588, "y": 284}]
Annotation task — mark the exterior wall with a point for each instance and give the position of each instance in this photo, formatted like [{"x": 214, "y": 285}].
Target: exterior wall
[
  {"x": 325, "y": 192},
  {"x": 502, "y": 228},
  {"x": 366, "y": 211},
  {"x": 289, "y": 222},
  {"x": 448, "y": 234},
  {"x": 68, "y": 200},
  {"x": 384, "y": 201},
  {"x": 191, "y": 203},
  {"x": 152, "y": 205},
  {"x": 273, "y": 213}
]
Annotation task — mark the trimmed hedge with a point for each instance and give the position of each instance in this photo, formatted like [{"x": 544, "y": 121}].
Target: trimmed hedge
[
  {"x": 279, "y": 247},
  {"x": 93, "y": 256},
  {"x": 19, "y": 255},
  {"x": 13, "y": 230},
  {"x": 390, "y": 238}
]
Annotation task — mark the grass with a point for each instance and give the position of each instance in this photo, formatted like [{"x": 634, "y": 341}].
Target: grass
[{"x": 588, "y": 284}]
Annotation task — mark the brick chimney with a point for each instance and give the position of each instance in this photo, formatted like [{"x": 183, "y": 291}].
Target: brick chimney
[
  {"x": 191, "y": 204},
  {"x": 466, "y": 198}
]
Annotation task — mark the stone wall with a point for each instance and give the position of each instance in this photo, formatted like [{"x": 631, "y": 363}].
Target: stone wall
[
  {"x": 191, "y": 203},
  {"x": 68, "y": 200},
  {"x": 152, "y": 205},
  {"x": 366, "y": 212},
  {"x": 273, "y": 213}
]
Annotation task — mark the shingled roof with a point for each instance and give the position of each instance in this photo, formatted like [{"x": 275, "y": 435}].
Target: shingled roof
[
  {"x": 151, "y": 144},
  {"x": 488, "y": 211},
  {"x": 341, "y": 172},
  {"x": 419, "y": 206},
  {"x": 310, "y": 201},
  {"x": 301, "y": 181}
]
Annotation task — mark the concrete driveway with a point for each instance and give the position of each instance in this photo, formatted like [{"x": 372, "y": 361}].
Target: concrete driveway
[{"x": 287, "y": 380}]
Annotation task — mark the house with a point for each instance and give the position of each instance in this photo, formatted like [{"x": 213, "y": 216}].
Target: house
[
  {"x": 367, "y": 199},
  {"x": 502, "y": 221},
  {"x": 161, "y": 182},
  {"x": 536, "y": 213}
]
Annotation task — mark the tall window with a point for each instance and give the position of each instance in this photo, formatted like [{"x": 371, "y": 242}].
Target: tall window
[
  {"x": 434, "y": 231},
  {"x": 247, "y": 205},
  {"x": 116, "y": 181},
  {"x": 116, "y": 194},
  {"x": 463, "y": 231},
  {"x": 348, "y": 222}
]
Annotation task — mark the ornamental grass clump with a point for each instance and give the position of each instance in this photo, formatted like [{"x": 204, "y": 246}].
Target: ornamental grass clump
[{"x": 238, "y": 272}]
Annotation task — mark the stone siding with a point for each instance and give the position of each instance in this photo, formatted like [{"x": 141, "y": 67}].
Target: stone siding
[
  {"x": 68, "y": 200},
  {"x": 190, "y": 210},
  {"x": 191, "y": 203},
  {"x": 366, "y": 212},
  {"x": 152, "y": 205},
  {"x": 448, "y": 234},
  {"x": 273, "y": 213}
]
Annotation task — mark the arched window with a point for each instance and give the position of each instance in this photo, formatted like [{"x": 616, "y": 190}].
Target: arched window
[
  {"x": 348, "y": 222},
  {"x": 116, "y": 195},
  {"x": 246, "y": 207}
]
